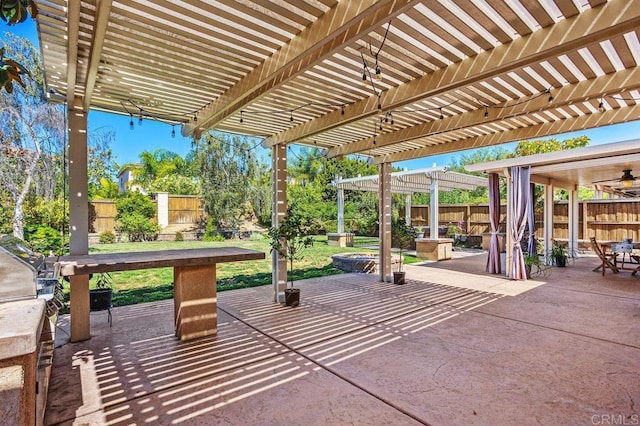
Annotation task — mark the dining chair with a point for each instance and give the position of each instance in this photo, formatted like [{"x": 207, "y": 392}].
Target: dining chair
[{"x": 608, "y": 259}]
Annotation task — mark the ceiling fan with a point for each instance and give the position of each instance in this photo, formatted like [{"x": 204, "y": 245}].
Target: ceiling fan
[{"x": 627, "y": 179}]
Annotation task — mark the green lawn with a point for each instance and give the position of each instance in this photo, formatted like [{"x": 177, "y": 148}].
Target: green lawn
[{"x": 148, "y": 285}]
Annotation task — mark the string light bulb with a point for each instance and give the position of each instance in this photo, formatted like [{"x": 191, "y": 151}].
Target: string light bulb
[
  {"x": 364, "y": 76},
  {"x": 291, "y": 116},
  {"x": 378, "y": 72},
  {"x": 131, "y": 126},
  {"x": 441, "y": 116},
  {"x": 342, "y": 110},
  {"x": 173, "y": 131},
  {"x": 195, "y": 118},
  {"x": 486, "y": 112},
  {"x": 601, "y": 106},
  {"x": 241, "y": 119},
  {"x": 140, "y": 119},
  {"x": 550, "y": 95}
]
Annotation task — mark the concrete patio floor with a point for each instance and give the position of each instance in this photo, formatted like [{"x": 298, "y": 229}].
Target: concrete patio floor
[{"x": 452, "y": 346}]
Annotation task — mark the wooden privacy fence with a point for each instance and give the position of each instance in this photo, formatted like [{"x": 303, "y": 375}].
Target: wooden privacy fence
[
  {"x": 607, "y": 220},
  {"x": 105, "y": 213},
  {"x": 182, "y": 209}
]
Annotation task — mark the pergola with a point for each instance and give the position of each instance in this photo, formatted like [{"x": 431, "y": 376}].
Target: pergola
[
  {"x": 427, "y": 180},
  {"x": 599, "y": 166},
  {"x": 439, "y": 76}
]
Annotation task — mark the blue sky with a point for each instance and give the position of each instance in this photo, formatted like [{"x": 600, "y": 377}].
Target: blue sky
[{"x": 153, "y": 135}]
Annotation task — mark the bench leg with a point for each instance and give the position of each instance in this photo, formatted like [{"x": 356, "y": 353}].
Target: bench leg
[{"x": 195, "y": 302}]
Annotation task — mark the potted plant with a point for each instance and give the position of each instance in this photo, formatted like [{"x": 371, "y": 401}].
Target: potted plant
[
  {"x": 530, "y": 259},
  {"x": 401, "y": 238},
  {"x": 558, "y": 254},
  {"x": 100, "y": 297},
  {"x": 290, "y": 239},
  {"x": 420, "y": 232}
]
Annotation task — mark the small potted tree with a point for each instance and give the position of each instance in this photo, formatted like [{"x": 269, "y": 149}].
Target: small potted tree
[
  {"x": 290, "y": 239},
  {"x": 401, "y": 238}
]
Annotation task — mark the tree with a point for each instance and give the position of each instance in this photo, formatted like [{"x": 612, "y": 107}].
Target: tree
[
  {"x": 32, "y": 132},
  {"x": 227, "y": 165},
  {"x": 166, "y": 171},
  {"x": 101, "y": 165},
  {"x": 549, "y": 145}
]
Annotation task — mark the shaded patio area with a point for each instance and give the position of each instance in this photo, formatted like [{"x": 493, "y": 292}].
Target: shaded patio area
[{"x": 452, "y": 346}]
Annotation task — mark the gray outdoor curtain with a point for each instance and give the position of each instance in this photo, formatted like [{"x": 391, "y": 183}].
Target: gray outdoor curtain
[
  {"x": 518, "y": 204},
  {"x": 531, "y": 218},
  {"x": 493, "y": 261}
]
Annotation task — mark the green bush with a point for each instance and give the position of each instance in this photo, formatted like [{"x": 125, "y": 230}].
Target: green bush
[
  {"x": 135, "y": 212},
  {"x": 107, "y": 237},
  {"x": 138, "y": 228},
  {"x": 179, "y": 236},
  {"x": 211, "y": 232},
  {"x": 256, "y": 236},
  {"x": 44, "y": 239},
  {"x": 135, "y": 202}
]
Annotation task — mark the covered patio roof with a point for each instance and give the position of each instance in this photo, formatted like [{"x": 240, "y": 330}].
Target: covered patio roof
[
  {"x": 419, "y": 180},
  {"x": 452, "y": 75},
  {"x": 600, "y": 166}
]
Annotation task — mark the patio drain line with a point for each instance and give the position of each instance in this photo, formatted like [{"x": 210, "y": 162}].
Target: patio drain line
[{"x": 334, "y": 372}]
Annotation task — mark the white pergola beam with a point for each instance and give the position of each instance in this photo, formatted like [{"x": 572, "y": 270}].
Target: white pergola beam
[
  {"x": 73, "y": 31},
  {"x": 587, "y": 28},
  {"x": 341, "y": 26},
  {"x": 621, "y": 81},
  {"x": 587, "y": 121},
  {"x": 101, "y": 22}
]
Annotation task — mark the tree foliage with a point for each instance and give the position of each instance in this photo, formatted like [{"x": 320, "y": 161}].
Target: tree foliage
[
  {"x": 33, "y": 134},
  {"x": 228, "y": 168}
]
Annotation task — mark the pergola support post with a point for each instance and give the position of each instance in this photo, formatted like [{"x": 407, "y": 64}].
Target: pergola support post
[
  {"x": 279, "y": 210},
  {"x": 548, "y": 222},
  {"x": 574, "y": 219},
  {"x": 384, "y": 192},
  {"x": 508, "y": 219},
  {"x": 340, "y": 211},
  {"x": 407, "y": 209},
  {"x": 78, "y": 221},
  {"x": 433, "y": 209}
]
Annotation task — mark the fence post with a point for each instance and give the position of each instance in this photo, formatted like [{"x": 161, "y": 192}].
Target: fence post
[{"x": 162, "y": 199}]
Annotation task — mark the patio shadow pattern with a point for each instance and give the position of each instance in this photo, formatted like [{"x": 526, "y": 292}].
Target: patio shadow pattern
[{"x": 358, "y": 351}]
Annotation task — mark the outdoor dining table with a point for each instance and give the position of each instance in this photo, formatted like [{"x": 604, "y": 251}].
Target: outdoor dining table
[
  {"x": 625, "y": 248},
  {"x": 194, "y": 280}
]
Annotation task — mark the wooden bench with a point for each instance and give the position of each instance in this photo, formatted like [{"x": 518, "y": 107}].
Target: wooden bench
[{"x": 194, "y": 279}]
